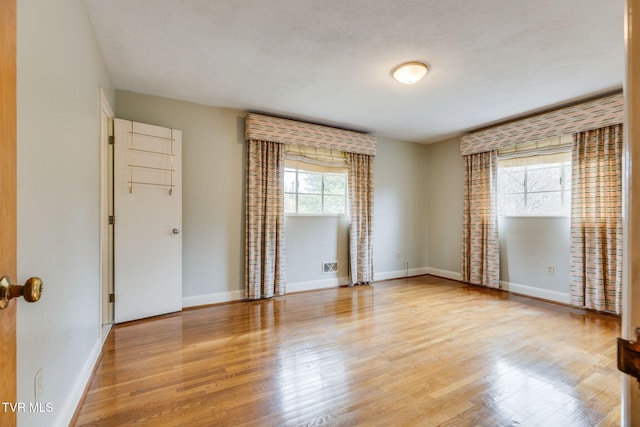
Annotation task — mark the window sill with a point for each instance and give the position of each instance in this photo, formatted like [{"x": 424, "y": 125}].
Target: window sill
[
  {"x": 299, "y": 215},
  {"x": 534, "y": 216}
]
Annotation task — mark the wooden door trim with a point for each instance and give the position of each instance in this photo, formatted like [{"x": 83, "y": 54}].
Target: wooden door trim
[
  {"x": 8, "y": 203},
  {"x": 630, "y": 408}
]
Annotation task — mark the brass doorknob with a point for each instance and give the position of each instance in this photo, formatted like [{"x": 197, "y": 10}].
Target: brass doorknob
[{"x": 31, "y": 290}]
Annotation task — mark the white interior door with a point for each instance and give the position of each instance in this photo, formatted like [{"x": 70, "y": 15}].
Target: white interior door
[{"x": 148, "y": 220}]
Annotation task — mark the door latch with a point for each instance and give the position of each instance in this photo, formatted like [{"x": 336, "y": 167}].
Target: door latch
[{"x": 629, "y": 356}]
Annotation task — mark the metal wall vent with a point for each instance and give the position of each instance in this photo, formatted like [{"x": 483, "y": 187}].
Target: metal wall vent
[{"x": 330, "y": 267}]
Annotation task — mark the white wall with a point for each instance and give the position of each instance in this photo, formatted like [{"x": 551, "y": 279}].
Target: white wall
[
  {"x": 528, "y": 245},
  {"x": 400, "y": 211},
  {"x": 59, "y": 72},
  {"x": 312, "y": 241},
  {"x": 446, "y": 193}
]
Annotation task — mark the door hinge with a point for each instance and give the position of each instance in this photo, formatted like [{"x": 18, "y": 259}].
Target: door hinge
[
  {"x": 629, "y": 356},
  {"x": 111, "y": 140},
  {"x": 112, "y": 219},
  {"x": 112, "y": 297}
]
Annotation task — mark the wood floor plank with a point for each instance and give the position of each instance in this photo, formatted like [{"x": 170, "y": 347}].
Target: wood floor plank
[{"x": 422, "y": 351}]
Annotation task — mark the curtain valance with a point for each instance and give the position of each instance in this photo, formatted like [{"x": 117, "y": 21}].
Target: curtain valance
[
  {"x": 324, "y": 159},
  {"x": 274, "y": 129},
  {"x": 597, "y": 113}
]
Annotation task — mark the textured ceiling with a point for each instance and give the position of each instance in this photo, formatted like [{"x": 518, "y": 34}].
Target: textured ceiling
[{"x": 330, "y": 61}]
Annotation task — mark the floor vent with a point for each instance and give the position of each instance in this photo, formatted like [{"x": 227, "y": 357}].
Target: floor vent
[{"x": 330, "y": 267}]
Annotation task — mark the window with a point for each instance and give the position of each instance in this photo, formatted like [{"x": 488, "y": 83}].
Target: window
[
  {"x": 315, "y": 193},
  {"x": 541, "y": 187}
]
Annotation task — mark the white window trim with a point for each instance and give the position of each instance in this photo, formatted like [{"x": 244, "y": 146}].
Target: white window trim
[
  {"x": 328, "y": 215},
  {"x": 550, "y": 216}
]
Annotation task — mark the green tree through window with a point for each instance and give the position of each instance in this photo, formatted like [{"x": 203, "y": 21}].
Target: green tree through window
[{"x": 314, "y": 193}]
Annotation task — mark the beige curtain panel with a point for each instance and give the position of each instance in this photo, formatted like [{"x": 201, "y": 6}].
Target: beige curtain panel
[
  {"x": 593, "y": 114},
  {"x": 264, "y": 222},
  {"x": 595, "y": 273},
  {"x": 361, "y": 215},
  {"x": 480, "y": 243}
]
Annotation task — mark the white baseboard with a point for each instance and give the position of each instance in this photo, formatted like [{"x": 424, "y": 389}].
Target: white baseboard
[
  {"x": 388, "y": 275},
  {"x": 334, "y": 282},
  {"x": 238, "y": 295},
  {"x": 216, "y": 298},
  {"x": 453, "y": 275},
  {"x": 104, "y": 333},
  {"x": 398, "y": 274},
  {"x": 532, "y": 291},
  {"x": 84, "y": 376},
  {"x": 310, "y": 285},
  {"x": 420, "y": 271}
]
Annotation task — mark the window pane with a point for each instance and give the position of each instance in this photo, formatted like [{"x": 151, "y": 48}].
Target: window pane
[
  {"x": 334, "y": 205},
  {"x": 544, "y": 203},
  {"x": 309, "y": 204},
  {"x": 334, "y": 184},
  {"x": 289, "y": 181},
  {"x": 567, "y": 176},
  {"x": 309, "y": 182},
  {"x": 289, "y": 203},
  {"x": 566, "y": 209},
  {"x": 543, "y": 193},
  {"x": 511, "y": 180},
  {"x": 305, "y": 196},
  {"x": 511, "y": 204},
  {"x": 543, "y": 179}
]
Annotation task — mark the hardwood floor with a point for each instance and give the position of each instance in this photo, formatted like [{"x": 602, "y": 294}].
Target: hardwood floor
[{"x": 422, "y": 351}]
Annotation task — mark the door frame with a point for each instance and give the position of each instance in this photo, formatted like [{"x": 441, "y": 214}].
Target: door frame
[
  {"x": 8, "y": 206},
  {"x": 630, "y": 406},
  {"x": 106, "y": 209}
]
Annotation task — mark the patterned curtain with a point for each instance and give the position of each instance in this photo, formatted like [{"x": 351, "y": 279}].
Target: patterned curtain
[
  {"x": 480, "y": 244},
  {"x": 264, "y": 227},
  {"x": 361, "y": 217},
  {"x": 595, "y": 274},
  {"x": 597, "y": 113}
]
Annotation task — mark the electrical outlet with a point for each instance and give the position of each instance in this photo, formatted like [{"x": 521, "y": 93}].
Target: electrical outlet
[
  {"x": 37, "y": 386},
  {"x": 398, "y": 256},
  {"x": 551, "y": 270}
]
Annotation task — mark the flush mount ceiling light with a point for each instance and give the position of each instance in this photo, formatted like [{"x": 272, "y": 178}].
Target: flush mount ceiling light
[{"x": 410, "y": 72}]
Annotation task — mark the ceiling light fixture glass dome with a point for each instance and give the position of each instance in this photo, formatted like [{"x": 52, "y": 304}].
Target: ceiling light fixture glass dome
[{"x": 410, "y": 72}]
